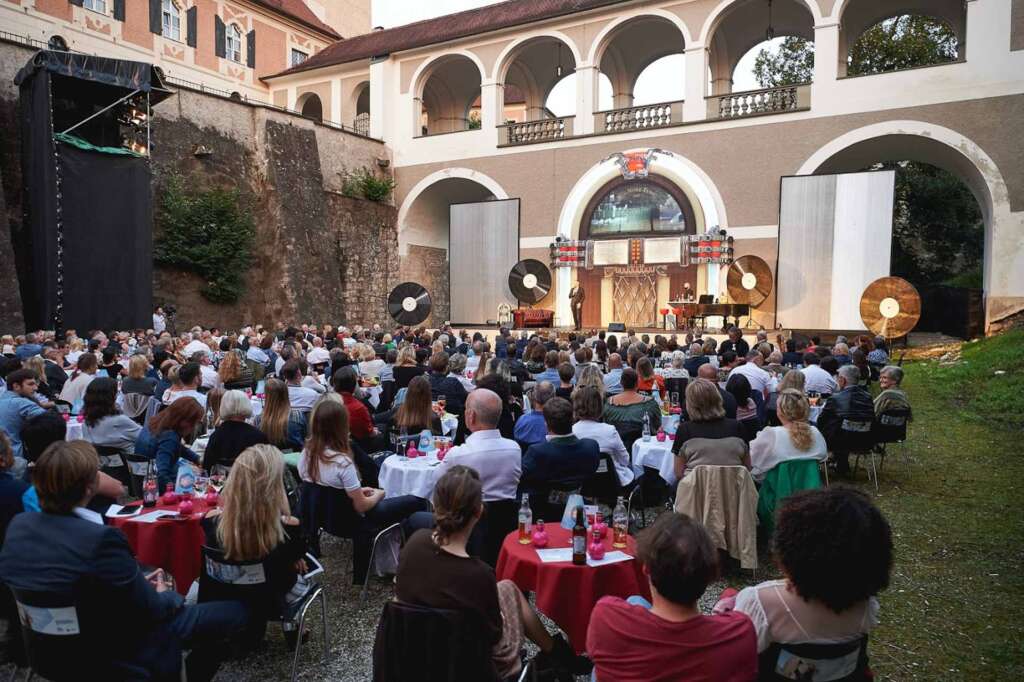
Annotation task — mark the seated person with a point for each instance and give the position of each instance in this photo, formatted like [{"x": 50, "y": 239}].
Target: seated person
[
  {"x": 708, "y": 437},
  {"x": 629, "y": 407},
  {"x": 406, "y": 367},
  {"x": 563, "y": 458},
  {"x": 233, "y": 434},
  {"x": 190, "y": 378},
  {"x": 497, "y": 460},
  {"x": 284, "y": 427},
  {"x": 137, "y": 381},
  {"x": 794, "y": 354},
  {"x": 794, "y": 439},
  {"x": 11, "y": 487},
  {"x": 670, "y": 640},
  {"x": 443, "y": 385},
  {"x": 327, "y": 460},
  {"x": 415, "y": 414},
  {"x": 254, "y": 523},
  {"x": 67, "y": 549},
  {"x": 834, "y": 549},
  {"x": 530, "y": 428},
  {"x": 16, "y": 408},
  {"x": 300, "y": 397},
  {"x": 817, "y": 380},
  {"x": 587, "y": 410},
  {"x": 852, "y": 403},
  {"x": 566, "y": 374},
  {"x": 510, "y": 407},
  {"x": 696, "y": 359},
  {"x": 794, "y": 380},
  {"x": 162, "y": 439},
  {"x": 550, "y": 371},
  {"x": 104, "y": 424},
  {"x": 647, "y": 380},
  {"x": 360, "y": 423},
  {"x": 891, "y": 397},
  {"x": 436, "y": 571}
]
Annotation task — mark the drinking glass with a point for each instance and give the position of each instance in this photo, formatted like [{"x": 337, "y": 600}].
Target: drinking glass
[
  {"x": 441, "y": 402},
  {"x": 200, "y": 484}
]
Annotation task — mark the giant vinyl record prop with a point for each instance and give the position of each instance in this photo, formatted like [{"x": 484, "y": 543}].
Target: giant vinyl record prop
[
  {"x": 890, "y": 307},
  {"x": 529, "y": 280},
  {"x": 749, "y": 280},
  {"x": 409, "y": 303}
]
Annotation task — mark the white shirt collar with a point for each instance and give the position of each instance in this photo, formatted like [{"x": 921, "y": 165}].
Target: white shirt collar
[
  {"x": 484, "y": 434},
  {"x": 88, "y": 514}
]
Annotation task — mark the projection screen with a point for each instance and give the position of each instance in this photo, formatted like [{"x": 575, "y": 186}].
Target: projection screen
[
  {"x": 483, "y": 247},
  {"x": 835, "y": 238}
]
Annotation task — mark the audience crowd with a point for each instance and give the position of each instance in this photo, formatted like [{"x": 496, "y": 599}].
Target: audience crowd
[{"x": 529, "y": 413}]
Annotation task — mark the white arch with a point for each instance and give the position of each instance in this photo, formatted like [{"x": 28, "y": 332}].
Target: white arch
[
  {"x": 704, "y": 196},
  {"x": 509, "y": 54},
  {"x": 463, "y": 173},
  {"x": 423, "y": 71},
  {"x": 600, "y": 44},
  {"x": 711, "y": 23}
]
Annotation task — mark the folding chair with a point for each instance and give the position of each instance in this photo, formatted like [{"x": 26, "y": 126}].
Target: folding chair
[
  {"x": 891, "y": 427},
  {"x": 390, "y": 530}
]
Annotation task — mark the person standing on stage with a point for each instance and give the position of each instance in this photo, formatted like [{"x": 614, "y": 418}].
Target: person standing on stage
[{"x": 576, "y": 298}]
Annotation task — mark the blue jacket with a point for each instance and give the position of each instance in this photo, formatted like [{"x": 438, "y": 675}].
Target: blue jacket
[
  {"x": 14, "y": 412},
  {"x": 66, "y": 554},
  {"x": 531, "y": 429},
  {"x": 565, "y": 459},
  {"x": 550, "y": 374},
  {"x": 165, "y": 447}
]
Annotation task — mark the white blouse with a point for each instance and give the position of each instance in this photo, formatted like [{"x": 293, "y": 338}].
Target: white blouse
[
  {"x": 610, "y": 442},
  {"x": 773, "y": 445}
]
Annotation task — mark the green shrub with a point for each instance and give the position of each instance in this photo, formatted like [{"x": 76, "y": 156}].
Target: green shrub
[
  {"x": 365, "y": 184},
  {"x": 209, "y": 232}
]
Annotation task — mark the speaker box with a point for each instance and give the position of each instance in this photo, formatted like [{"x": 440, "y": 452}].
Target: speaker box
[{"x": 616, "y": 327}]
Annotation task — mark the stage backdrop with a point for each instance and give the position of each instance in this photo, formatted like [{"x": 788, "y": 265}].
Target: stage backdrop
[
  {"x": 483, "y": 246},
  {"x": 835, "y": 238}
]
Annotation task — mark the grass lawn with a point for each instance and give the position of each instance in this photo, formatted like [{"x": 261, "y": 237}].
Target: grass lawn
[{"x": 955, "y": 608}]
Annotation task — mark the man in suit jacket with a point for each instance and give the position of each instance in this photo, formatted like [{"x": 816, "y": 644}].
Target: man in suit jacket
[
  {"x": 66, "y": 550},
  {"x": 563, "y": 458}
]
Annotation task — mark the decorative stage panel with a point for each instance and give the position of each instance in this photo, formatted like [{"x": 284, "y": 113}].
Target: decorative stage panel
[{"x": 483, "y": 247}]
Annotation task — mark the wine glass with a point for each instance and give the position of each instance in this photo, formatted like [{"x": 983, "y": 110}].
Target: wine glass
[
  {"x": 218, "y": 477},
  {"x": 200, "y": 484}
]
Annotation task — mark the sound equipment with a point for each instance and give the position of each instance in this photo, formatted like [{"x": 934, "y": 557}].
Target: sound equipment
[
  {"x": 409, "y": 303},
  {"x": 749, "y": 280},
  {"x": 616, "y": 327},
  {"x": 529, "y": 280},
  {"x": 890, "y": 307}
]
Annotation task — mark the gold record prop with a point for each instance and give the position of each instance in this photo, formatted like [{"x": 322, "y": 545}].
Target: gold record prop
[
  {"x": 749, "y": 280},
  {"x": 890, "y": 307}
]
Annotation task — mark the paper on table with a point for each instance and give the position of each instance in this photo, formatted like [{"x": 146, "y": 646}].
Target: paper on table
[
  {"x": 609, "y": 558},
  {"x": 550, "y": 556},
  {"x": 154, "y": 516},
  {"x": 113, "y": 512}
]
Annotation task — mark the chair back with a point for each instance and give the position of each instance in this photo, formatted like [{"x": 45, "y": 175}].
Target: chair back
[
  {"x": 430, "y": 645},
  {"x": 854, "y": 435},
  {"x": 221, "y": 579},
  {"x": 629, "y": 432},
  {"x": 676, "y": 385},
  {"x": 844, "y": 662},
  {"x": 785, "y": 479},
  {"x": 724, "y": 500},
  {"x": 891, "y": 426},
  {"x": 135, "y": 405},
  {"x": 328, "y": 509},
  {"x": 51, "y": 630},
  {"x": 603, "y": 485},
  {"x": 548, "y": 502},
  {"x": 500, "y": 519},
  {"x": 114, "y": 464}
]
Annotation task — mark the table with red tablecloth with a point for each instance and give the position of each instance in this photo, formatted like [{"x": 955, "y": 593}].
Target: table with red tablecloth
[
  {"x": 174, "y": 545},
  {"x": 567, "y": 593}
]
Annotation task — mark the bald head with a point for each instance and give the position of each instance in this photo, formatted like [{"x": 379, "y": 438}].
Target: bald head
[
  {"x": 483, "y": 410},
  {"x": 707, "y": 371},
  {"x": 614, "y": 361}
]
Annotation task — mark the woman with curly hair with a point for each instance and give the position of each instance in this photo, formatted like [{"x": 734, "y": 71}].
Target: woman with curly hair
[{"x": 834, "y": 549}]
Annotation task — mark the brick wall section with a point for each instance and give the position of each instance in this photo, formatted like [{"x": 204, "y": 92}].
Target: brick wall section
[
  {"x": 368, "y": 253},
  {"x": 428, "y": 266},
  {"x": 135, "y": 28}
]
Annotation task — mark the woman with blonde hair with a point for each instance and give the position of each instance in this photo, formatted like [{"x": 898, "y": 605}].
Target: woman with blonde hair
[
  {"x": 794, "y": 439},
  {"x": 328, "y": 460},
  {"x": 252, "y": 524},
  {"x": 370, "y": 365},
  {"x": 137, "y": 381},
  {"x": 590, "y": 375},
  {"x": 794, "y": 380},
  {"x": 283, "y": 427},
  {"x": 406, "y": 367},
  {"x": 45, "y": 394}
]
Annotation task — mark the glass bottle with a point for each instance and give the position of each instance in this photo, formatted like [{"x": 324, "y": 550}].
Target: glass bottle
[
  {"x": 149, "y": 487},
  {"x": 620, "y": 524},
  {"x": 647, "y": 427},
  {"x": 525, "y": 520},
  {"x": 579, "y": 539}
]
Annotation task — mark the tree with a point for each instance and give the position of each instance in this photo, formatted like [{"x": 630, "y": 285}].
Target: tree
[{"x": 938, "y": 233}]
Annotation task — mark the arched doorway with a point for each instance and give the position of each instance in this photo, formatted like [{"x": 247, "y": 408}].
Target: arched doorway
[
  {"x": 448, "y": 88},
  {"x": 902, "y": 141},
  {"x": 310, "y": 106},
  {"x": 423, "y": 229}
]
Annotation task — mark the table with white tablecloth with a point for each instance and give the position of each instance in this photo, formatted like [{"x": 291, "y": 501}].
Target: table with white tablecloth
[
  {"x": 656, "y": 455},
  {"x": 400, "y": 475},
  {"x": 74, "y": 430}
]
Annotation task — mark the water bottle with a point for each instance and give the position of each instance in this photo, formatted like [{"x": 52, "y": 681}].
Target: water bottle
[
  {"x": 525, "y": 520},
  {"x": 620, "y": 524},
  {"x": 149, "y": 487},
  {"x": 647, "y": 427}
]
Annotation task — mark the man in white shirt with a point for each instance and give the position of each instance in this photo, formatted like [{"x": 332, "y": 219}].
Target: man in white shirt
[
  {"x": 195, "y": 345},
  {"x": 318, "y": 355},
  {"x": 499, "y": 461},
  {"x": 190, "y": 378},
  {"x": 159, "y": 321},
  {"x": 815, "y": 378},
  {"x": 209, "y": 379},
  {"x": 300, "y": 397},
  {"x": 759, "y": 379}
]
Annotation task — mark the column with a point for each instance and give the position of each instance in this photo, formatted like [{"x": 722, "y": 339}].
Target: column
[
  {"x": 492, "y": 110},
  {"x": 829, "y": 59},
  {"x": 586, "y": 100},
  {"x": 379, "y": 82},
  {"x": 336, "y": 114},
  {"x": 695, "y": 72}
]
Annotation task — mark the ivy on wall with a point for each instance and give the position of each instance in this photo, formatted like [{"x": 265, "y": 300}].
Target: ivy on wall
[{"x": 210, "y": 232}]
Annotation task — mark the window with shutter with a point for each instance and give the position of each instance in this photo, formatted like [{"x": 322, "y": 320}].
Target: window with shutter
[
  {"x": 219, "y": 36},
  {"x": 250, "y": 49},
  {"x": 192, "y": 21},
  {"x": 118, "y": 10},
  {"x": 155, "y": 18}
]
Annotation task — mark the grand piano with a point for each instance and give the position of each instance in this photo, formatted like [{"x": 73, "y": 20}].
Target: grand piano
[{"x": 691, "y": 311}]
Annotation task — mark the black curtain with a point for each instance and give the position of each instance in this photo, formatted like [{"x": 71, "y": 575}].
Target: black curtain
[{"x": 107, "y": 218}]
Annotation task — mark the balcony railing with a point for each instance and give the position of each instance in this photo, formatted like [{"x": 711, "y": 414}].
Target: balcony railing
[
  {"x": 760, "y": 102},
  {"x": 639, "y": 118},
  {"x": 533, "y": 132}
]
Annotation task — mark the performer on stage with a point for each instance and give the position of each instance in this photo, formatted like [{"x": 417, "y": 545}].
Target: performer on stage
[{"x": 576, "y": 298}]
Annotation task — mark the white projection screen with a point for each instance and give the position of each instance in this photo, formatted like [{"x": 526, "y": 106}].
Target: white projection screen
[
  {"x": 483, "y": 247},
  {"x": 835, "y": 238}
]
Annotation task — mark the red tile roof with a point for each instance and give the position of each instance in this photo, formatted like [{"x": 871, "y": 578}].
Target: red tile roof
[
  {"x": 299, "y": 11},
  {"x": 444, "y": 28}
]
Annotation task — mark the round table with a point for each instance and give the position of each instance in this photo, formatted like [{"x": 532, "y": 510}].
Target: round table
[
  {"x": 567, "y": 593},
  {"x": 400, "y": 475},
  {"x": 656, "y": 455},
  {"x": 171, "y": 544}
]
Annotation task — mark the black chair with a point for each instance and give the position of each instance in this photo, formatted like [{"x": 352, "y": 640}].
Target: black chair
[
  {"x": 430, "y": 645},
  {"x": 548, "y": 502},
  {"x": 323, "y": 509},
  {"x": 890, "y": 427},
  {"x": 500, "y": 519},
  {"x": 843, "y": 662},
  {"x": 246, "y": 581},
  {"x": 676, "y": 385},
  {"x": 856, "y": 438},
  {"x": 603, "y": 485},
  {"x": 114, "y": 463},
  {"x": 629, "y": 432}
]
